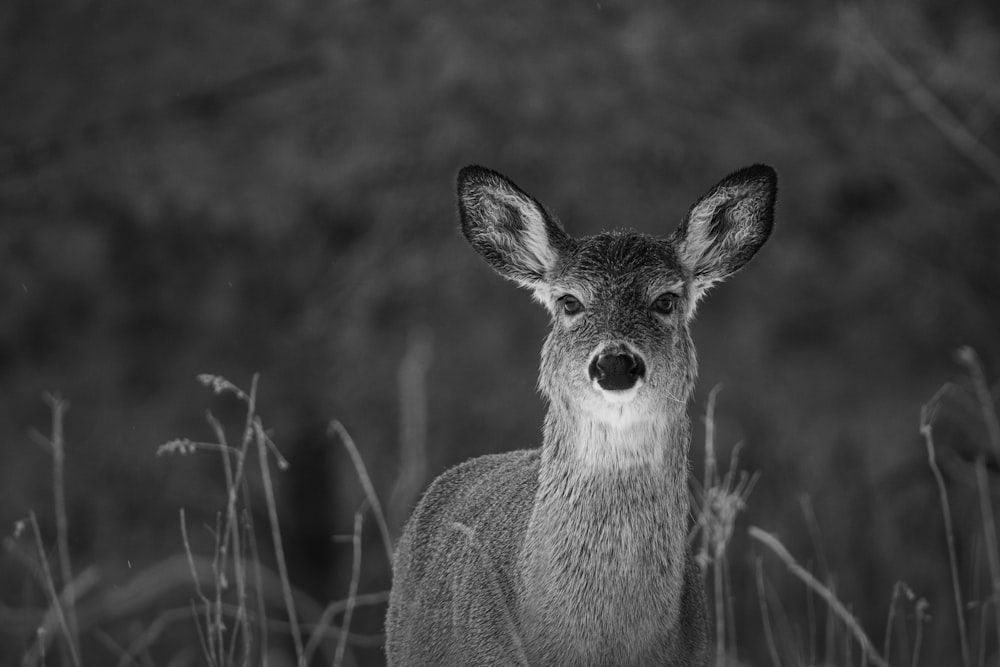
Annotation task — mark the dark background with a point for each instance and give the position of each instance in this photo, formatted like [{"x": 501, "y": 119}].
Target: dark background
[{"x": 267, "y": 186}]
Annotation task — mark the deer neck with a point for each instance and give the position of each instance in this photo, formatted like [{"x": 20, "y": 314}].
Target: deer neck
[
  {"x": 611, "y": 475},
  {"x": 608, "y": 532}
]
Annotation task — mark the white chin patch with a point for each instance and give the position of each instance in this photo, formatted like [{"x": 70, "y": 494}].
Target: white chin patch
[
  {"x": 618, "y": 397},
  {"x": 616, "y": 408}
]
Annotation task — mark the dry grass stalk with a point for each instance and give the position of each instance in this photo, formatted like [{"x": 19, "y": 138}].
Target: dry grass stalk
[
  {"x": 922, "y": 618},
  {"x": 47, "y": 626},
  {"x": 719, "y": 500},
  {"x": 55, "y": 445},
  {"x": 178, "y": 572},
  {"x": 353, "y": 589},
  {"x": 709, "y": 522},
  {"x": 58, "y": 449},
  {"x": 55, "y": 604},
  {"x": 815, "y": 536},
  {"x": 236, "y": 482},
  {"x": 279, "y": 552},
  {"x": 927, "y": 413},
  {"x": 968, "y": 357},
  {"x": 710, "y": 440},
  {"x": 765, "y": 617},
  {"x": 230, "y": 534},
  {"x": 207, "y": 639},
  {"x": 990, "y": 539},
  {"x": 899, "y": 589},
  {"x": 809, "y": 580},
  {"x": 258, "y": 579},
  {"x": 323, "y": 627},
  {"x": 366, "y": 483},
  {"x": 235, "y": 538},
  {"x": 235, "y": 543}
]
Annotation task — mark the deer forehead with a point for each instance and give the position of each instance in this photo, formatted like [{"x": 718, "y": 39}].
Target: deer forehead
[{"x": 619, "y": 263}]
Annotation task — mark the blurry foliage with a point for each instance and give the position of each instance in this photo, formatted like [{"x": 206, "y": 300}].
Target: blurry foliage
[{"x": 267, "y": 186}]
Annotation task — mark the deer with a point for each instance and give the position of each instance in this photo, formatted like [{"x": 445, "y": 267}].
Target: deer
[{"x": 576, "y": 552}]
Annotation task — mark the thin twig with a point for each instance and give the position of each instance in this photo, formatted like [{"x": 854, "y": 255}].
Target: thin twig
[
  {"x": 234, "y": 486},
  {"x": 59, "y": 407},
  {"x": 815, "y": 533},
  {"x": 720, "y": 613},
  {"x": 230, "y": 535},
  {"x": 983, "y": 614},
  {"x": 322, "y": 628},
  {"x": 243, "y": 623},
  {"x": 202, "y": 639},
  {"x": 730, "y": 613},
  {"x": 352, "y": 590},
  {"x": 922, "y": 618},
  {"x": 279, "y": 553},
  {"x": 970, "y": 359},
  {"x": 207, "y": 643},
  {"x": 898, "y": 589},
  {"x": 811, "y": 621},
  {"x": 765, "y": 616},
  {"x": 248, "y": 431},
  {"x": 809, "y": 580},
  {"x": 258, "y": 576},
  {"x": 366, "y": 483},
  {"x": 50, "y": 588},
  {"x": 49, "y": 620},
  {"x": 830, "y": 627},
  {"x": 926, "y": 418},
  {"x": 227, "y": 535},
  {"x": 990, "y": 537}
]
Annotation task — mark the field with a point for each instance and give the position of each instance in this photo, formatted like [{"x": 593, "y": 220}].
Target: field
[{"x": 264, "y": 192}]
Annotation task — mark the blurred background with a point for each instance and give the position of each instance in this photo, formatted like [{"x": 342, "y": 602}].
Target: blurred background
[{"x": 267, "y": 186}]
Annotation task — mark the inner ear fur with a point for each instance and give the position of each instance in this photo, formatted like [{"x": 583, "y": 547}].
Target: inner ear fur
[
  {"x": 510, "y": 229},
  {"x": 728, "y": 225}
]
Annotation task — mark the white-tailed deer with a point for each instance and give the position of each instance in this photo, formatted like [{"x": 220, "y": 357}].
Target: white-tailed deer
[{"x": 576, "y": 553}]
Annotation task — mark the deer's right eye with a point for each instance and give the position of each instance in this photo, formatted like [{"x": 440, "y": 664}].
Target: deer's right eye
[{"x": 570, "y": 304}]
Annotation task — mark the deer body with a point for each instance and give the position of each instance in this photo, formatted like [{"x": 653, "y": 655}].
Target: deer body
[{"x": 576, "y": 553}]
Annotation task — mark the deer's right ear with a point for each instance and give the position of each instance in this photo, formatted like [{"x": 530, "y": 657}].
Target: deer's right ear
[{"x": 508, "y": 227}]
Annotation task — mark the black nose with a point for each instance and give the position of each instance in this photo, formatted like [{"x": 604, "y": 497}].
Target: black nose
[{"x": 617, "y": 371}]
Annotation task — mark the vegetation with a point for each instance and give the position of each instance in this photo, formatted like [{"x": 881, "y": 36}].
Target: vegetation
[{"x": 267, "y": 186}]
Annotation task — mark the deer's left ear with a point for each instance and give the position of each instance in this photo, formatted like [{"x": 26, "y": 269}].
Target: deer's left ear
[{"x": 727, "y": 226}]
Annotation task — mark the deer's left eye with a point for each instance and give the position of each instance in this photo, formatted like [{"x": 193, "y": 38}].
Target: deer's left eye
[{"x": 665, "y": 303}]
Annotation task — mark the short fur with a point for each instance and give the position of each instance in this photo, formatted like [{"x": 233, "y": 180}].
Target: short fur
[{"x": 575, "y": 553}]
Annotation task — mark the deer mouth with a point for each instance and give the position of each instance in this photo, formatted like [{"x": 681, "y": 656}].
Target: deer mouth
[
  {"x": 617, "y": 373},
  {"x": 619, "y": 396}
]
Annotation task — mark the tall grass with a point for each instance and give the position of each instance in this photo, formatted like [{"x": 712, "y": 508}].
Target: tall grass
[
  {"x": 242, "y": 611},
  {"x": 245, "y": 612},
  {"x": 718, "y": 501},
  {"x": 980, "y": 648}
]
